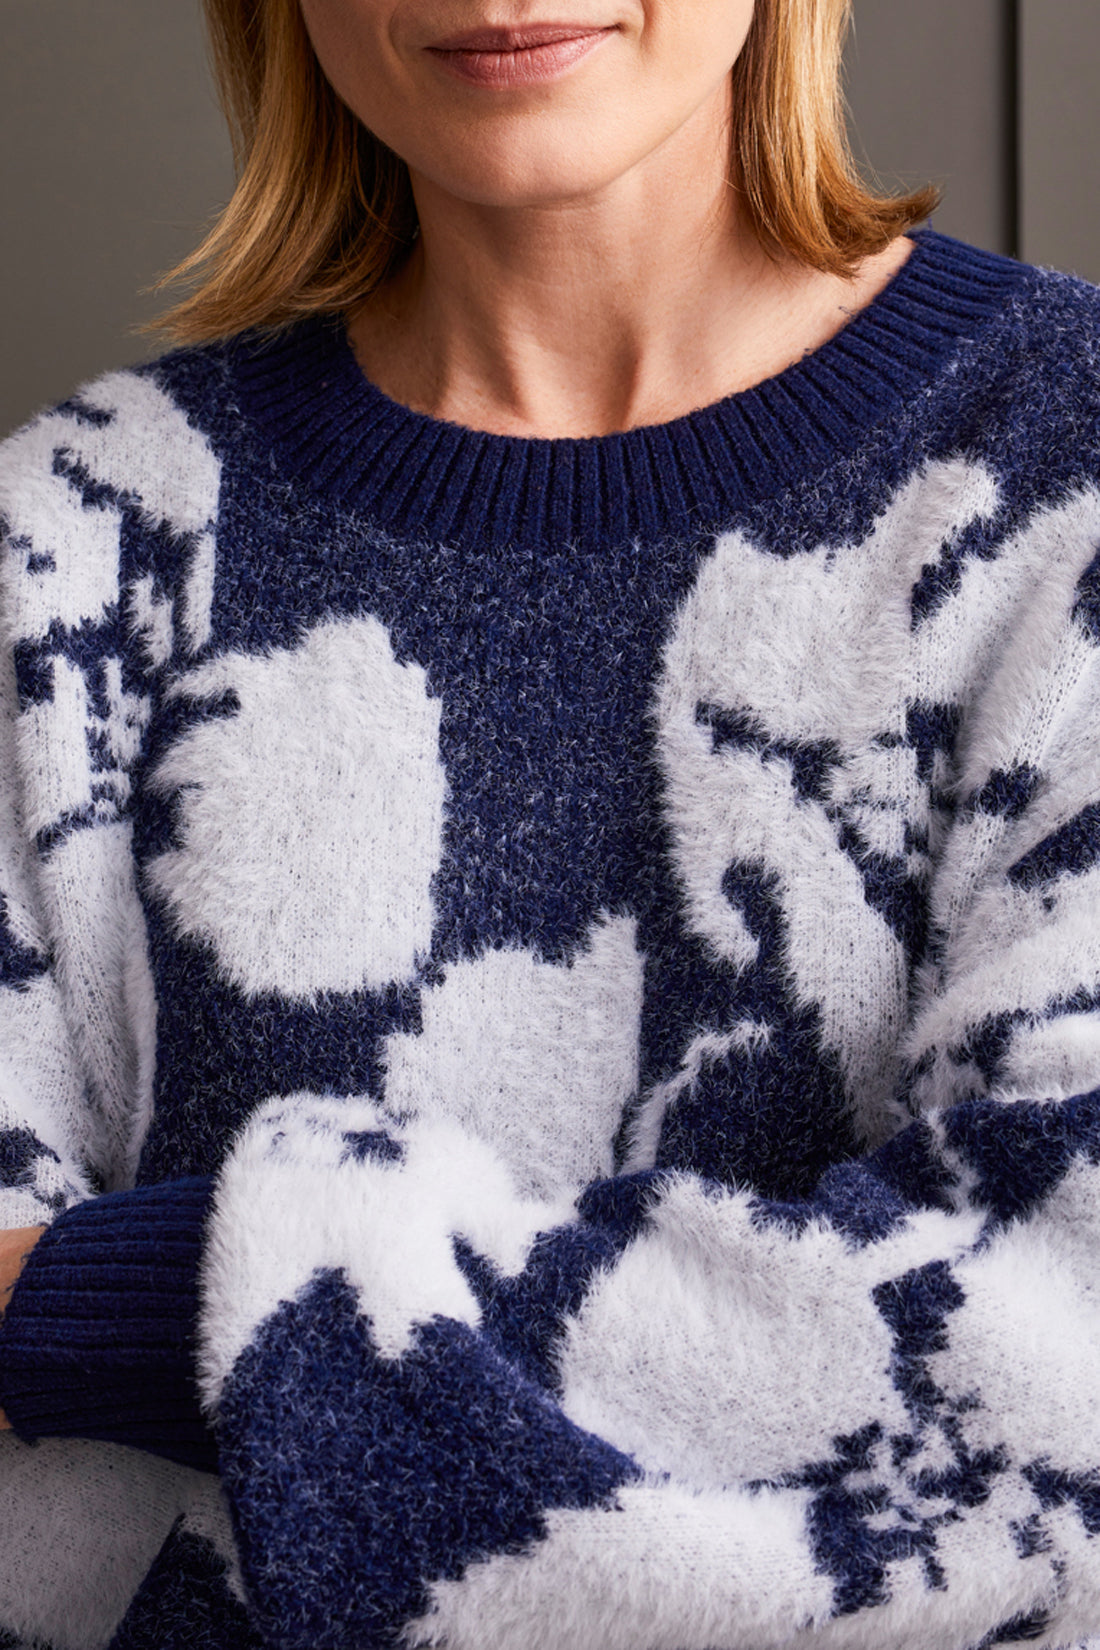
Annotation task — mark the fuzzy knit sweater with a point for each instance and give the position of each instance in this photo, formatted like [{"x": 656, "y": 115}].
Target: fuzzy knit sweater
[{"x": 551, "y": 1004}]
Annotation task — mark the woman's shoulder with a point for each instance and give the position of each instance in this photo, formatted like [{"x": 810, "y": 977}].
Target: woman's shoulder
[
  {"x": 108, "y": 506},
  {"x": 1047, "y": 326},
  {"x": 1007, "y": 364},
  {"x": 1045, "y": 364},
  {"x": 139, "y": 437},
  {"x": 155, "y": 437},
  {"x": 1057, "y": 292},
  {"x": 1058, "y": 318}
]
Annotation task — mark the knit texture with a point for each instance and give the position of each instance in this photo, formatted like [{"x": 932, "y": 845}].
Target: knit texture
[
  {"x": 570, "y": 972},
  {"x": 96, "y": 1344}
]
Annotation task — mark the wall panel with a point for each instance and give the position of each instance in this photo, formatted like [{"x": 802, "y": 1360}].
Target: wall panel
[
  {"x": 112, "y": 156},
  {"x": 930, "y": 91},
  {"x": 1060, "y": 134}
]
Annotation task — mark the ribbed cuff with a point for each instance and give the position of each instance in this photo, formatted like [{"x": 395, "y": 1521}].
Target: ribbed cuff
[{"x": 98, "y": 1340}]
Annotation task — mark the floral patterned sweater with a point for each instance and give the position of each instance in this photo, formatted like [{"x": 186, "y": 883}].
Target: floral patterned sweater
[{"x": 550, "y": 1001}]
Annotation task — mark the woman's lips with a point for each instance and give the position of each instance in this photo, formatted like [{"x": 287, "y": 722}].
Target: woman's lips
[{"x": 517, "y": 57}]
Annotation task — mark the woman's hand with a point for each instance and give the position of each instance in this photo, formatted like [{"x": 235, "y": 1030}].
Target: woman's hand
[{"x": 15, "y": 1246}]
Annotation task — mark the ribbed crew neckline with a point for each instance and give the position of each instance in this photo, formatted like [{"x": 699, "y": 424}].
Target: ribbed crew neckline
[{"x": 418, "y": 477}]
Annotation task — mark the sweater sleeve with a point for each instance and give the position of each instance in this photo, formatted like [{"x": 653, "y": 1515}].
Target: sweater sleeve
[
  {"x": 680, "y": 1414},
  {"x": 97, "y": 1339}
]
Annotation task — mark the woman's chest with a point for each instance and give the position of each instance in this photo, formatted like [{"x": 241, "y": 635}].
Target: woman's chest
[{"x": 566, "y": 857}]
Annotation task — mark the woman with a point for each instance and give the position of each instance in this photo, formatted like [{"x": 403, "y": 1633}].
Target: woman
[{"x": 551, "y": 890}]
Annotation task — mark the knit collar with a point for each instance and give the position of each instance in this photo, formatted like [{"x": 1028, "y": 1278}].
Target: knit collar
[{"x": 417, "y": 477}]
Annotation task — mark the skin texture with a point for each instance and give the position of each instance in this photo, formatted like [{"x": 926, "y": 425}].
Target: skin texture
[
  {"x": 15, "y": 1246},
  {"x": 583, "y": 265}
]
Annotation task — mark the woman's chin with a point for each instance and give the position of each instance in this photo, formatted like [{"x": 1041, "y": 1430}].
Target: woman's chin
[{"x": 545, "y": 177}]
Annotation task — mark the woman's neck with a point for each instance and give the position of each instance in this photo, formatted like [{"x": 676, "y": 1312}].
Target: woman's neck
[{"x": 585, "y": 317}]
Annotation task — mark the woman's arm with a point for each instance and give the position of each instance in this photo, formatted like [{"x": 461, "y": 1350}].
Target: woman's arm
[
  {"x": 685, "y": 1416},
  {"x": 15, "y": 1246},
  {"x": 96, "y": 1339}
]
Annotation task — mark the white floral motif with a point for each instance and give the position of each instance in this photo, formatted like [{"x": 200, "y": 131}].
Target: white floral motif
[
  {"x": 816, "y": 664},
  {"x": 311, "y": 815}
]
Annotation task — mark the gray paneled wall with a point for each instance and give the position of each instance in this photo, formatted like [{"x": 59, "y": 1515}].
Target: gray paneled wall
[
  {"x": 930, "y": 86},
  {"x": 1060, "y": 134},
  {"x": 112, "y": 154},
  {"x": 996, "y": 100}
]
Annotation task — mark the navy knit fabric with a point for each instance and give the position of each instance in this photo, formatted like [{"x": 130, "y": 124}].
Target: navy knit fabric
[
  {"x": 187, "y": 1602},
  {"x": 552, "y": 999},
  {"x": 115, "y": 1359}
]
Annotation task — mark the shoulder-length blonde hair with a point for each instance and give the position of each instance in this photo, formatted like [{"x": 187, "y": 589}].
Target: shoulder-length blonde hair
[{"x": 323, "y": 212}]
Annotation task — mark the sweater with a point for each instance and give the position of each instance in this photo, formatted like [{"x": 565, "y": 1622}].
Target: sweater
[{"x": 551, "y": 1003}]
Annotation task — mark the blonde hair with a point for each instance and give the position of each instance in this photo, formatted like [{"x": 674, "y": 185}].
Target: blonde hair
[{"x": 323, "y": 212}]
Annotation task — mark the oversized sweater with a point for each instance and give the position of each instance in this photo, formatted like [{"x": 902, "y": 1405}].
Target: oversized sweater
[{"x": 551, "y": 1001}]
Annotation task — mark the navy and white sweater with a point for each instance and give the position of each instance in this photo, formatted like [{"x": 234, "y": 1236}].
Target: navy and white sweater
[{"x": 552, "y": 1000}]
